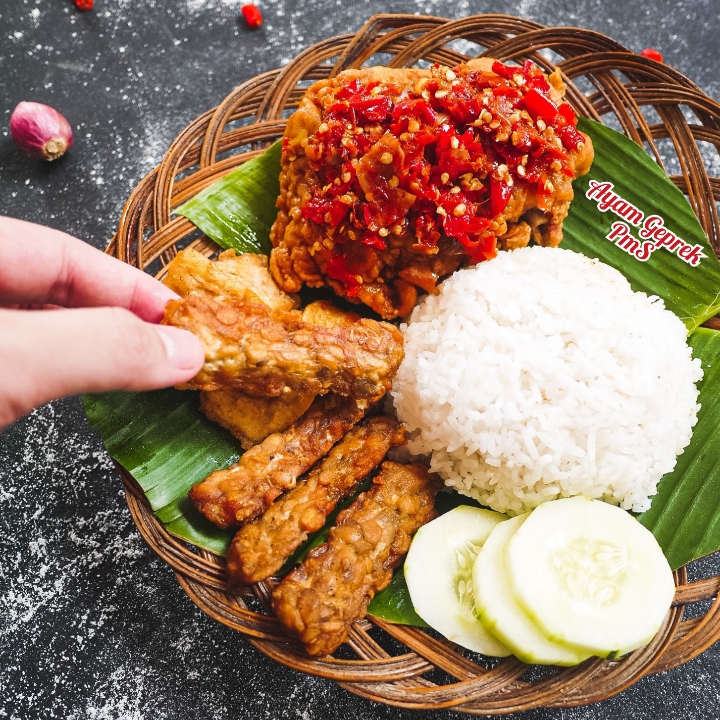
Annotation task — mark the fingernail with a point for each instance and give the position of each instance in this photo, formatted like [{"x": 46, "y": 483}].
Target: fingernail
[{"x": 184, "y": 350}]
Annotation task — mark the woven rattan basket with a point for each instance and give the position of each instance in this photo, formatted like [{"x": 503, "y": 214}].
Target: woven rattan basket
[{"x": 657, "y": 107}]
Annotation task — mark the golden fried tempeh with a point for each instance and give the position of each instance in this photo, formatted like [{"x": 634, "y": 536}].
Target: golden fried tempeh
[
  {"x": 252, "y": 419},
  {"x": 248, "y": 349},
  {"x": 260, "y": 548},
  {"x": 319, "y": 600},
  {"x": 245, "y": 490},
  {"x": 243, "y": 277}
]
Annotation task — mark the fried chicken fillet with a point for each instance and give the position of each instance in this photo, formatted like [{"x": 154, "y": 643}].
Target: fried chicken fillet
[
  {"x": 319, "y": 600},
  {"x": 252, "y": 419},
  {"x": 393, "y": 178},
  {"x": 248, "y": 349},
  {"x": 245, "y": 490},
  {"x": 260, "y": 548}
]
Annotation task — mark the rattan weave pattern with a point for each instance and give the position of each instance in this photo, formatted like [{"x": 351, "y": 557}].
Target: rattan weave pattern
[{"x": 654, "y": 105}]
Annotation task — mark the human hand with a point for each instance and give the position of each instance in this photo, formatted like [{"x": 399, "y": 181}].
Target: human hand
[{"x": 107, "y": 341}]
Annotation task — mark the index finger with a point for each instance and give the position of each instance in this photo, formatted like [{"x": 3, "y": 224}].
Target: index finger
[{"x": 39, "y": 265}]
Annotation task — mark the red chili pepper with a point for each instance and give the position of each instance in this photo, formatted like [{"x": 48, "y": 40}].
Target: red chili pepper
[
  {"x": 506, "y": 71},
  {"x": 347, "y": 91},
  {"x": 570, "y": 137},
  {"x": 84, "y": 4},
  {"x": 499, "y": 196},
  {"x": 252, "y": 15},
  {"x": 567, "y": 112},
  {"x": 504, "y": 90},
  {"x": 539, "y": 106},
  {"x": 373, "y": 240},
  {"x": 653, "y": 54},
  {"x": 337, "y": 270},
  {"x": 371, "y": 109}
]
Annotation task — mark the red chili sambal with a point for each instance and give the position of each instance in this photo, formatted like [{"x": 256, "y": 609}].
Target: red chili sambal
[{"x": 393, "y": 178}]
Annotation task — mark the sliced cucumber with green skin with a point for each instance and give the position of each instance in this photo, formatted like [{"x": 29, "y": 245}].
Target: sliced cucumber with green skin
[
  {"x": 438, "y": 572},
  {"x": 500, "y": 612},
  {"x": 589, "y": 575}
]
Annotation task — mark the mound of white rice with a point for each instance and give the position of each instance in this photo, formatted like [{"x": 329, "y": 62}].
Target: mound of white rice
[{"x": 541, "y": 374}]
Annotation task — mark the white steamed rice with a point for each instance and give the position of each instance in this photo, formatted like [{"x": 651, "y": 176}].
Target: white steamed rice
[{"x": 541, "y": 374}]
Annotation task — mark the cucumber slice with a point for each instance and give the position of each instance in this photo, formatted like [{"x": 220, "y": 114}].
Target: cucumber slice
[
  {"x": 590, "y": 575},
  {"x": 500, "y": 612},
  {"x": 438, "y": 572}
]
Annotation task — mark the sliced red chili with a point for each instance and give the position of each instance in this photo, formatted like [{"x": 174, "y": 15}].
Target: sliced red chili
[
  {"x": 505, "y": 91},
  {"x": 539, "y": 106},
  {"x": 500, "y": 193},
  {"x": 373, "y": 240},
  {"x": 567, "y": 112},
  {"x": 506, "y": 71},
  {"x": 337, "y": 270},
  {"x": 571, "y": 138},
  {"x": 252, "y": 15},
  {"x": 371, "y": 109},
  {"x": 347, "y": 91},
  {"x": 653, "y": 54}
]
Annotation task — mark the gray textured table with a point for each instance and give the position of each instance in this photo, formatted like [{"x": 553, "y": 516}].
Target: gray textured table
[{"x": 92, "y": 624}]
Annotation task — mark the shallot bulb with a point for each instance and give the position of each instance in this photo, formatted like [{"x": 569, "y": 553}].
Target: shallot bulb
[{"x": 40, "y": 131}]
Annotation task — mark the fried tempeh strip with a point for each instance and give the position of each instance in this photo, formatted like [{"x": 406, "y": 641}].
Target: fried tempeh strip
[
  {"x": 260, "y": 548},
  {"x": 319, "y": 600},
  {"x": 248, "y": 349},
  {"x": 242, "y": 277},
  {"x": 245, "y": 490}
]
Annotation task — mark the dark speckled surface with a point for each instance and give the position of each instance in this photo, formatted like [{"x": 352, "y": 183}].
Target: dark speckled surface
[{"x": 92, "y": 624}]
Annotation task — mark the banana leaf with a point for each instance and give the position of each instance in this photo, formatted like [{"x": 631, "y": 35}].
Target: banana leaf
[
  {"x": 692, "y": 293},
  {"x": 164, "y": 441},
  {"x": 238, "y": 210},
  {"x": 685, "y": 513}
]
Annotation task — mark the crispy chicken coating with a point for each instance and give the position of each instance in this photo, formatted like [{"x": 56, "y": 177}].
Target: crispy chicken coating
[
  {"x": 245, "y": 490},
  {"x": 393, "y": 178},
  {"x": 261, "y": 355},
  {"x": 319, "y": 600},
  {"x": 252, "y": 419},
  {"x": 243, "y": 277},
  {"x": 259, "y": 549}
]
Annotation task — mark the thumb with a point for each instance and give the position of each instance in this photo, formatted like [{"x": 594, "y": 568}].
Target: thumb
[{"x": 55, "y": 353}]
